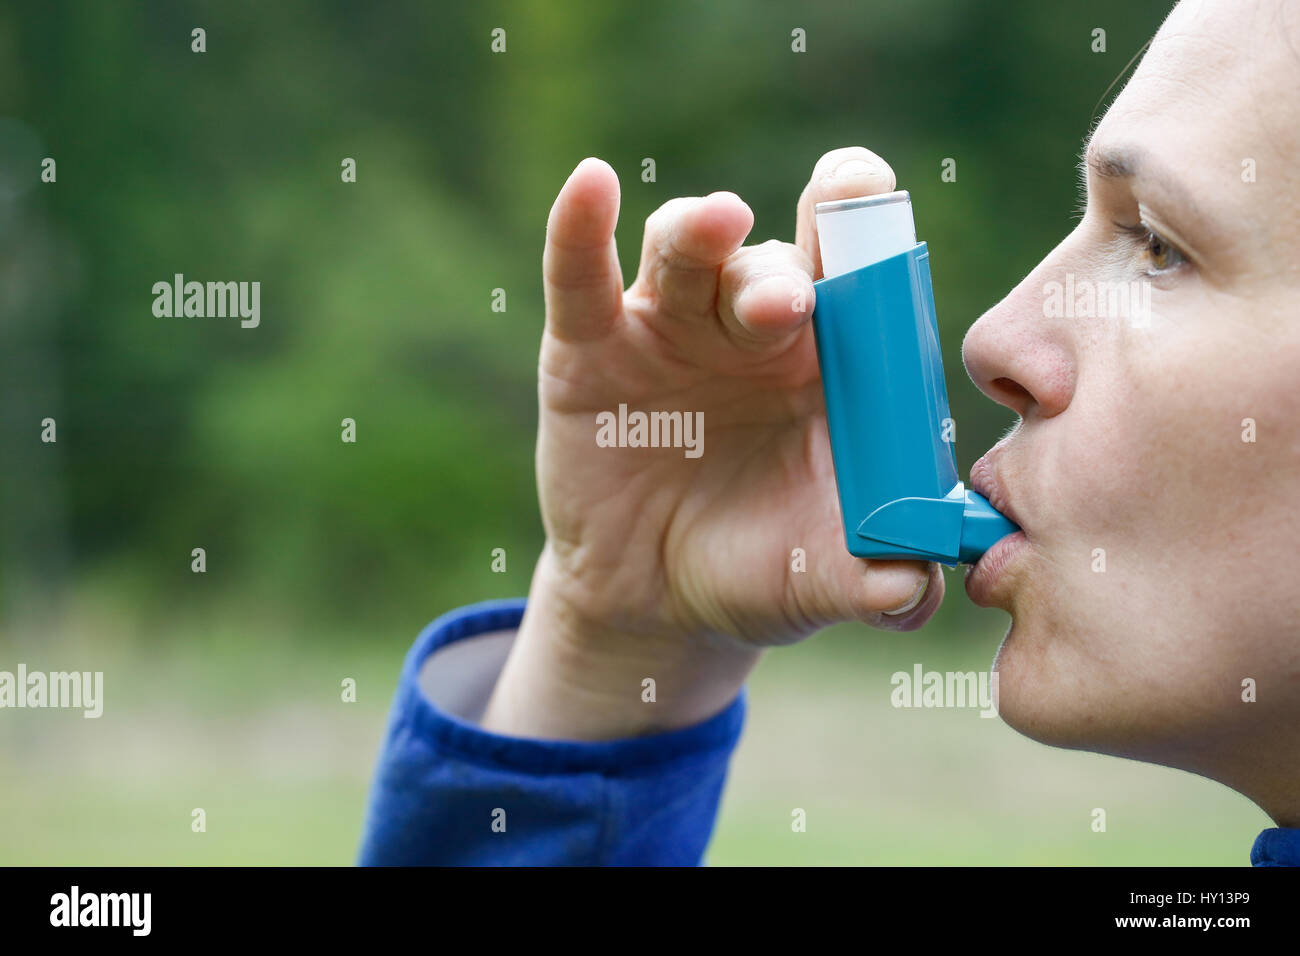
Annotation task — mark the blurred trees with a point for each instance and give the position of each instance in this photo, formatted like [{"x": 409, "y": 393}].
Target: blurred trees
[{"x": 376, "y": 295}]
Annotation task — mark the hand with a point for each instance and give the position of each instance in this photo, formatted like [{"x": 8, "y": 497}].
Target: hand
[{"x": 659, "y": 564}]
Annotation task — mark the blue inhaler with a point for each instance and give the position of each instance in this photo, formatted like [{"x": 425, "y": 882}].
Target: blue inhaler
[{"x": 886, "y": 401}]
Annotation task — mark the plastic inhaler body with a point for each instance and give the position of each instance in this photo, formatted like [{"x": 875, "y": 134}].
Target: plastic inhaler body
[{"x": 886, "y": 401}]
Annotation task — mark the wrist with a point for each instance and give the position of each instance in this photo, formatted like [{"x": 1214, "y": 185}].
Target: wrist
[{"x": 574, "y": 676}]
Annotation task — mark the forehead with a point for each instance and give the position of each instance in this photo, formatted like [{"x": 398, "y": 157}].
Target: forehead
[
  {"x": 1218, "y": 87},
  {"x": 1225, "y": 71}
]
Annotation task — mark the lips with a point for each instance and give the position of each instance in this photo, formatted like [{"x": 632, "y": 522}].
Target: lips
[
  {"x": 984, "y": 479},
  {"x": 985, "y": 576}
]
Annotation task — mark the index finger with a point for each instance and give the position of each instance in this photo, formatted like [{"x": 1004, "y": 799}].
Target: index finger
[
  {"x": 844, "y": 173},
  {"x": 581, "y": 279}
]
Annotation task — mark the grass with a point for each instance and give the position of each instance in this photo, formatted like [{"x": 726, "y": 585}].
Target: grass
[{"x": 252, "y": 730}]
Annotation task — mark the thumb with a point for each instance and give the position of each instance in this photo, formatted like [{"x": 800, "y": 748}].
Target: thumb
[{"x": 894, "y": 595}]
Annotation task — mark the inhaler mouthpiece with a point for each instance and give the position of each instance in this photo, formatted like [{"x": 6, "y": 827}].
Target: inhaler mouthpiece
[{"x": 886, "y": 400}]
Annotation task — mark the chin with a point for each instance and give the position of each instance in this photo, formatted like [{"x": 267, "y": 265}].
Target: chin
[
  {"x": 1052, "y": 690},
  {"x": 1049, "y": 698},
  {"x": 1023, "y": 700}
]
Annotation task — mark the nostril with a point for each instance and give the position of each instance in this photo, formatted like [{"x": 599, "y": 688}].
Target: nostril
[{"x": 1015, "y": 394}]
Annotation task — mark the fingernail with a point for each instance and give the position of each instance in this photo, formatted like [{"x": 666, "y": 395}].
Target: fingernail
[
  {"x": 914, "y": 600},
  {"x": 852, "y": 168},
  {"x": 777, "y": 285}
]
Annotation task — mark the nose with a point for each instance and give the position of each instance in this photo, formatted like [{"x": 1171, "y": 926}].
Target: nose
[{"x": 1018, "y": 356}]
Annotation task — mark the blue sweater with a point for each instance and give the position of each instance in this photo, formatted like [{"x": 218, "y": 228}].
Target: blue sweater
[{"x": 448, "y": 792}]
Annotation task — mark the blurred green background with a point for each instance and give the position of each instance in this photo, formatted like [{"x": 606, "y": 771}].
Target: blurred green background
[{"x": 324, "y": 559}]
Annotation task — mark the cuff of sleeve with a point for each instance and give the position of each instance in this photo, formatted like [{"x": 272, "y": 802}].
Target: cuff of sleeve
[
  {"x": 1276, "y": 846},
  {"x": 451, "y": 734}
]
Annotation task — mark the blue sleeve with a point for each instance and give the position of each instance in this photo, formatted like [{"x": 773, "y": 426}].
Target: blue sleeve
[
  {"x": 448, "y": 792},
  {"x": 1276, "y": 846}
]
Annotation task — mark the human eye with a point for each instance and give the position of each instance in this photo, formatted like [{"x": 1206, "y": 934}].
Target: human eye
[{"x": 1158, "y": 255}]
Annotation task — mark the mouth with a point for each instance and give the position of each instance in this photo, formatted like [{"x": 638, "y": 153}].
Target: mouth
[{"x": 987, "y": 580}]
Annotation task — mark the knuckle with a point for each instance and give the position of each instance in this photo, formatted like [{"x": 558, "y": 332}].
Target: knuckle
[{"x": 667, "y": 212}]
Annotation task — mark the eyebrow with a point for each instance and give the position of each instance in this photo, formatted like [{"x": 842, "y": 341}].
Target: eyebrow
[
  {"x": 1110, "y": 162},
  {"x": 1129, "y": 162}
]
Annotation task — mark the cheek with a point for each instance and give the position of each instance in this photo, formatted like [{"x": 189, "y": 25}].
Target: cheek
[
  {"x": 1212, "y": 424},
  {"x": 1100, "y": 471},
  {"x": 1178, "y": 455},
  {"x": 1164, "y": 539}
]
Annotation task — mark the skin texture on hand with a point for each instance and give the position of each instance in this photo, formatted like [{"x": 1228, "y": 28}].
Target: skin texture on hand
[{"x": 659, "y": 565}]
